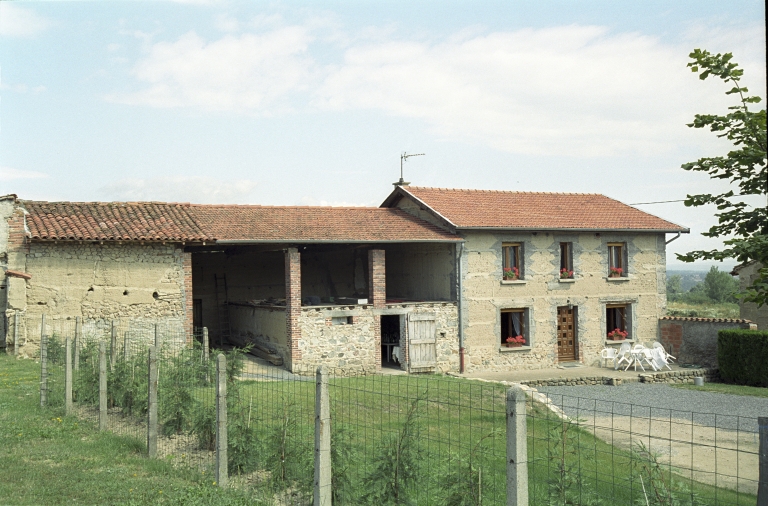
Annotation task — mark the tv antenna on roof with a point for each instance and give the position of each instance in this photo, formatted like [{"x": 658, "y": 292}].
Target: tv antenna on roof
[{"x": 403, "y": 158}]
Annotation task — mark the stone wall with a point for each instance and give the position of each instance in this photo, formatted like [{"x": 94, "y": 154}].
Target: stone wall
[
  {"x": 344, "y": 337},
  {"x": 540, "y": 292},
  {"x": 685, "y": 376},
  {"x": 340, "y": 337},
  {"x": 694, "y": 340},
  {"x": 100, "y": 282}
]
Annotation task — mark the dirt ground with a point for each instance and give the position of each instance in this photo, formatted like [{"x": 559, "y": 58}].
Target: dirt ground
[{"x": 720, "y": 457}]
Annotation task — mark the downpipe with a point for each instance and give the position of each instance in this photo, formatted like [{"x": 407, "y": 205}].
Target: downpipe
[{"x": 460, "y": 307}]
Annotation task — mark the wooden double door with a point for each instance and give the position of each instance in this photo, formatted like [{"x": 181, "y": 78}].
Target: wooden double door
[{"x": 567, "y": 344}]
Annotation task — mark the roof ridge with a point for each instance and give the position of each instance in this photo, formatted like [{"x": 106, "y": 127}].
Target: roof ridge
[{"x": 501, "y": 191}]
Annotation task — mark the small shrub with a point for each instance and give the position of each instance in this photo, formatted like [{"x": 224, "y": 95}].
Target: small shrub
[
  {"x": 204, "y": 426},
  {"x": 86, "y": 379},
  {"x": 462, "y": 482},
  {"x": 397, "y": 468},
  {"x": 742, "y": 355},
  {"x": 289, "y": 457},
  {"x": 658, "y": 486}
]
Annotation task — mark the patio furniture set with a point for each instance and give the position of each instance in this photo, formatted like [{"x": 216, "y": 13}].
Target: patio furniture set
[{"x": 655, "y": 357}]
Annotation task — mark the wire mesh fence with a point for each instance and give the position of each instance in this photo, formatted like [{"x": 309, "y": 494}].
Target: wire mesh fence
[
  {"x": 391, "y": 439},
  {"x": 589, "y": 451}
]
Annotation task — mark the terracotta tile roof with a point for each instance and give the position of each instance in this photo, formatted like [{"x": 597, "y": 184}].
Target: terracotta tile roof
[
  {"x": 157, "y": 221},
  {"x": 322, "y": 224},
  {"x": 529, "y": 210},
  {"x": 111, "y": 221},
  {"x": 711, "y": 320}
]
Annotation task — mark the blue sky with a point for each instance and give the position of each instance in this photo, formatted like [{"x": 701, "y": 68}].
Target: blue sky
[{"x": 311, "y": 103}]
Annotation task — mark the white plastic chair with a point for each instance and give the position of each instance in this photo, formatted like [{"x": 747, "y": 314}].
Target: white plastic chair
[
  {"x": 660, "y": 358},
  {"x": 623, "y": 355},
  {"x": 609, "y": 354},
  {"x": 649, "y": 356},
  {"x": 664, "y": 353}
]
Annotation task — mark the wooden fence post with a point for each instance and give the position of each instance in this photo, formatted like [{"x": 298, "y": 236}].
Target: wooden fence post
[
  {"x": 152, "y": 403},
  {"x": 68, "y": 376},
  {"x": 102, "y": 385},
  {"x": 517, "y": 448},
  {"x": 77, "y": 343},
  {"x": 221, "y": 421},
  {"x": 762, "y": 486},
  {"x": 43, "y": 364},
  {"x": 323, "y": 491}
]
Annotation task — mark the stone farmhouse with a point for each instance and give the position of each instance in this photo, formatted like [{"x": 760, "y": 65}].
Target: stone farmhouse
[{"x": 433, "y": 280}]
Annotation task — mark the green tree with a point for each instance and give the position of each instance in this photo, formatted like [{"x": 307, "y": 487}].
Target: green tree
[
  {"x": 746, "y": 227},
  {"x": 720, "y": 286},
  {"x": 674, "y": 286}
]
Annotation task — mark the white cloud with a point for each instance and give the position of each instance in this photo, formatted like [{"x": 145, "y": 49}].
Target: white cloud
[
  {"x": 572, "y": 90},
  {"x": 20, "y": 22},
  {"x": 248, "y": 72},
  {"x": 310, "y": 201},
  {"x": 202, "y": 190},
  {"x": 10, "y": 174},
  {"x": 569, "y": 90}
]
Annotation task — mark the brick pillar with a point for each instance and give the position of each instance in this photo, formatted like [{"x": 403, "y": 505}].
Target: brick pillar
[
  {"x": 188, "y": 310},
  {"x": 377, "y": 295},
  {"x": 293, "y": 305},
  {"x": 671, "y": 336}
]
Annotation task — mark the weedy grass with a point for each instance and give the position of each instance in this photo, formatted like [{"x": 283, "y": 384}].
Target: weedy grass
[{"x": 48, "y": 458}]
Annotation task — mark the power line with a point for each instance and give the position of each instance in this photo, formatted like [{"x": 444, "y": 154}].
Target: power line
[{"x": 659, "y": 202}]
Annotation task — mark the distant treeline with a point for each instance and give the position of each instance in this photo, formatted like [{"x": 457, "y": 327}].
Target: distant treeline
[{"x": 696, "y": 288}]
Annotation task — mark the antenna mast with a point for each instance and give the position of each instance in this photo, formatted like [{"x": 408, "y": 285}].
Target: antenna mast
[{"x": 403, "y": 158}]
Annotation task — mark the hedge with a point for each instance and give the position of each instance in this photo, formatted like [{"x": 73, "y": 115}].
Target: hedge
[{"x": 742, "y": 356}]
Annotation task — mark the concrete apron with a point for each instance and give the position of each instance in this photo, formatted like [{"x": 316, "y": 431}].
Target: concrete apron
[{"x": 566, "y": 374}]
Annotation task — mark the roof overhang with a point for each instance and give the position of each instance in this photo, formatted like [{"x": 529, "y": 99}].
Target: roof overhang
[{"x": 577, "y": 230}]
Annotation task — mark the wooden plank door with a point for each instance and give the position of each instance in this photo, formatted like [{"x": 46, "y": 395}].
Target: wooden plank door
[
  {"x": 566, "y": 334},
  {"x": 422, "y": 339}
]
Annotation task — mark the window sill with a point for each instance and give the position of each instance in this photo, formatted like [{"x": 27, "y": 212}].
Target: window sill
[
  {"x": 567, "y": 280},
  {"x": 513, "y": 282},
  {"x": 609, "y": 341},
  {"x": 617, "y": 280},
  {"x": 504, "y": 349}
]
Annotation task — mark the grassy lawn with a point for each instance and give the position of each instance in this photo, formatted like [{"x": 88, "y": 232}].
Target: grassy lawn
[
  {"x": 724, "y": 388},
  {"x": 48, "y": 458}
]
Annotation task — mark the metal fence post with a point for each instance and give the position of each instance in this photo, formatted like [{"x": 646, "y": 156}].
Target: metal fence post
[
  {"x": 762, "y": 486},
  {"x": 102, "y": 385},
  {"x": 78, "y": 339},
  {"x": 323, "y": 491},
  {"x": 152, "y": 403},
  {"x": 16, "y": 332},
  {"x": 113, "y": 346},
  {"x": 68, "y": 376},
  {"x": 517, "y": 448},
  {"x": 221, "y": 420},
  {"x": 43, "y": 364}
]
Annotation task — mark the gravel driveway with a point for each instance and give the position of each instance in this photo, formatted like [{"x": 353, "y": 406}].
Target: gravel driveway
[{"x": 661, "y": 401}]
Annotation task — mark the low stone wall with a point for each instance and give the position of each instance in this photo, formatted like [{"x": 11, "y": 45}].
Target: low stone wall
[
  {"x": 339, "y": 337},
  {"x": 684, "y": 376},
  {"x": 694, "y": 340},
  {"x": 709, "y": 375}
]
